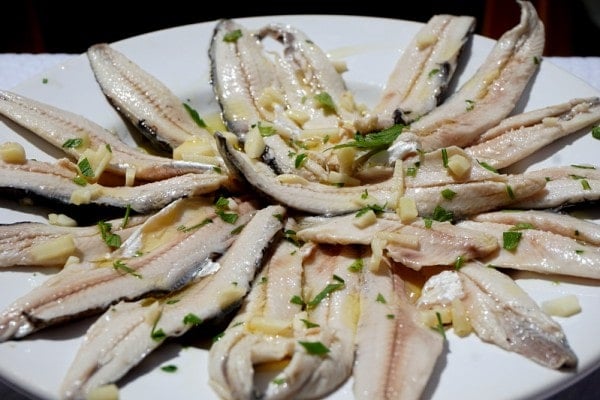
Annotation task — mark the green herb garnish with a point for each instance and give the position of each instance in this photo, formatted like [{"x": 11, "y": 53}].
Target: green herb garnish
[
  {"x": 325, "y": 101},
  {"x": 357, "y": 265},
  {"x": 445, "y": 157},
  {"x": 266, "y": 130},
  {"x": 330, "y": 288},
  {"x": 596, "y": 132},
  {"x": 300, "y": 160},
  {"x": 192, "y": 319},
  {"x": 440, "y": 325},
  {"x": 195, "y": 116},
  {"x": 448, "y": 194},
  {"x": 72, "y": 143},
  {"x": 441, "y": 215},
  {"x": 169, "y": 368},
  {"x": 433, "y": 72},
  {"x": 459, "y": 262},
  {"x": 111, "y": 239},
  {"x": 315, "y": 348},
  {"x": 126, "y": 216},
  {"x": 487, "y": 166},
  {"x": 376, "y": 140},
  {"x": 511, "y": 239},
  {"x": 120, "y": 265},
  {"x": 85, "y": 168},
  {"x": 80, "y": 180},
  {"x": 233, "y": 36},
  {"x": 309, "y": 324},
  {"x": 470, "y": 105},
  {"x": 380, "y": 299},
  {"x": 184, "y": 228}
]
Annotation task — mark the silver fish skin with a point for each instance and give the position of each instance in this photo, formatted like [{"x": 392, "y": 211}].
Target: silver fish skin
[
  {"x": 126, "y": 333},
  {"x": 310, "y": 196},
  {"x": 150, "y": 106},
  {"x": 395, "y": 353},
  {"x": 565, "y": 186},
  {"x": 57, "y": 126},
  {"x": 441, "y": 243},
  {"x": 521, "y": 135},
  {"x": 17, "y": 241},
  {"x": 476, "y": 197},
  {"x": 502, "y": 313},
  {"x": 261, "y": 332},
  {"x": 319, "y": 75},
  {"x": 303, "y": 375},
  {"x": 423, "y": 71},
  {"x": 141, "y": 266},
  {"x": 239, "y": 74},
  {"x": 55, "y": 183},
  {"x": 540, "y": 251},
  {"x": 492, "y": 93},
  {"x": 561, "y": 224}
]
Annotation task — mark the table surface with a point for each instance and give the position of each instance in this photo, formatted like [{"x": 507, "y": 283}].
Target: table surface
[{"x": 16, "y": 68}]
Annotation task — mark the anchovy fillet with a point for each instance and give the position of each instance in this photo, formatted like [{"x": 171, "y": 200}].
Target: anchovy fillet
[
  {"x": 164, "y": 253},
  {"x": 424, "y": 70},
  {"x": 150, "y": 106},
  {"x": 54, "y": 183},
  {"x": 311, "y": 197},
  {"x": 540, "y": 251},
  {"x": 492, "y": 93},
  {"x": 564, "y": 186},
  {"x": 502, "y": 313},
  {"x": 58, "y": 126},
  {"x": 561, "y": 224},
  {"x": 18, "y": 240},
  {"x": 521, "y": 135},
  {"x": 126, "y": 333},
  {"x": 395, "y": 352}
]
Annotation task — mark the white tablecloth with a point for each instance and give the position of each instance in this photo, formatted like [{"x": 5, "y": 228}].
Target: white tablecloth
[{"x": 16, "y": 68}]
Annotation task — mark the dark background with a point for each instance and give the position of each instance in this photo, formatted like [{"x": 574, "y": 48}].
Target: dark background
[{"x": 32, "y": 26}]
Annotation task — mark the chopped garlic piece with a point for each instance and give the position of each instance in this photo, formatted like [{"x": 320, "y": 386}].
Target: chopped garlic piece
[
  {"x": 429, "y": 317},
  {"x": 367, "y": 218},
  {"x": 292, "y": 179},
  {"x": 12, "y": 153},
  {"x": 254, "y": 145},
  {"x": 104, "y": 392},
  {"x": 269, "y": 326},
  {"x": 345, "y": 157},
  {"x": 460, "y": 320},
  {"x": 194, "y": 149},
  {"x": 425, "y": 39},
  {"x": 402, "y": 239},
  {"x": 562, "y": 306},
  {"x": 298, "y": 116},
  {"x": 377, "y": 245},
  {"x": 340, "y": 66},
  {"x": 459, "y": 165},
  {"x": 339, "y": 178},
  {"x": 129, "y": 176},
  {"x": 61, "y": 220},
  {"x": 407, "y": 209},
  {"x": 269, "y": 98},
  {"x": 56, "y": 250}
]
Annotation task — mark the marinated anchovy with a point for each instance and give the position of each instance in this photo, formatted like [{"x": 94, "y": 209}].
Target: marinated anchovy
[
  {"x": 521, "y": 135},
  {"x": 57, "y": 184},
  {"x": 308, "y": 196},
  {"x": 314, "y": 347},
  {"x": 128, "y": 332},
  {"x": 395, "y": 353},
  {"x": 536, "y": 250},
  {"x": 492, "y": 93},
  {"x": 164, "y": 253},
  {"x": 565, "y": 186},
  {"x": 240, "y": 73},
  {"x": 74, "y": 134},
  {"x": 23, "y": 244},
  {"x": 475, "y": 197},
  {"x": 150, "y": 106},
  {"x": 502, "y": 313},
  {"x": 421, "y": 75},
  {"x": 561, "y": 224}
]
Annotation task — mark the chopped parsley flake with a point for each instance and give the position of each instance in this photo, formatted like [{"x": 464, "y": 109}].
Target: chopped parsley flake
[
  {"x": 297, "y": 300},
  {"x": 195, "y": 116},
  {"x": 265, "y": 130},
  {"x": 380, "y": 299},
  {"x": 364, "y": 194},
  {"x": 126, "y": 216},
  {"x": 433, "y": 72},
  {"x": 72, "y": 143},
  {"x": 85, "y": 168},
  {"x": 585, "y": 184},
  {"x": 357, "y": 265},
  {"x": 411, "y": 171},
  {"x": 376, "y": 140},
  {"x": 121, "y": 266},
  {"x": 448, "y": 194},
  {"x": 579, "y": 252},
  {"x": 169, "y": 368},
  {"x": 80, "y": 180},
  {"x": 330, "y": 288},
  {"x": 487, "y": 166},
  {"x": 290, "y": 236},
  {"x": 596, "y": 132},
  {"x": 278, "y": 381},
  {"x": 441, "y": 215},
  {"x": 459, "y": 262},
  {"x": 44, "y": 80},
  {"x": 314, "y": 348},
  {"x": 325, "y": 101},
  {"x": 300, "y": 160},
  {"x": 440, "y": 325},
  {"x": 390, "y": 316},
  {"x": 309, "y": 324},
  {"x": 237, "y": 230},
  {"x": 111, "y": 239},
  {"x": 184, "y": 228},
  {"x": 233, "y": 36},
  {"x": 445, "y": 157},
  {"x": 377, "y": 209},
  {"x": 192, "y": 319},
  {"x": 428, "y": 222},
  {"x": 510, "y": 192},
  {"x": 511, "y": 239},
  {"x": 470, "y": 105},
  {"x": 536, "y": 60}
]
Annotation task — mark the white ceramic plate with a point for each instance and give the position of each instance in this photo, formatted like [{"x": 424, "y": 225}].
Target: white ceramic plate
[{"x": 469, "y": 368}]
